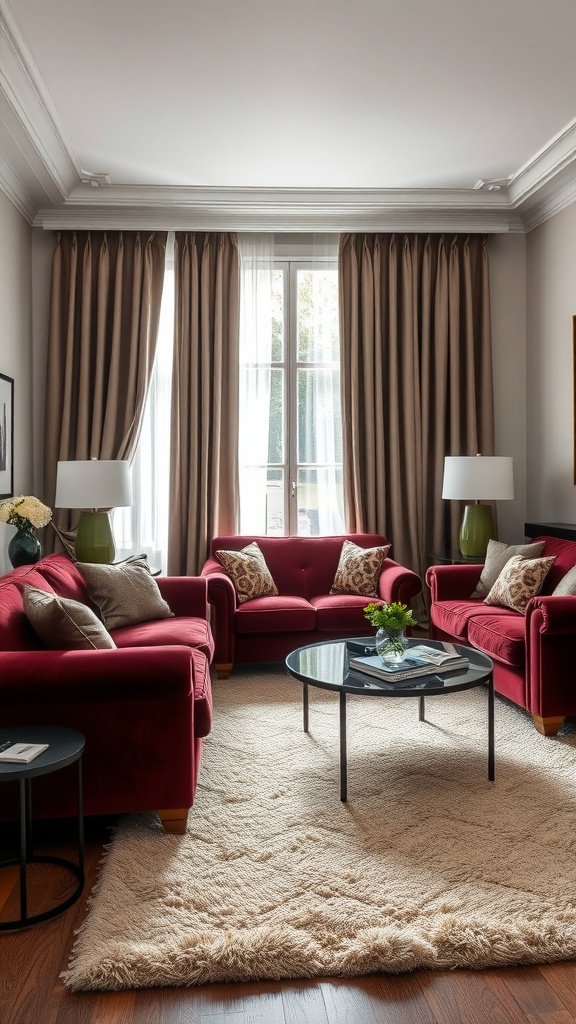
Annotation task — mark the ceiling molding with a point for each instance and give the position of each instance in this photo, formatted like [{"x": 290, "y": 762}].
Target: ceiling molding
[
  {"x": 283, "y": 210},
  {"x": 41, "y": 175}
]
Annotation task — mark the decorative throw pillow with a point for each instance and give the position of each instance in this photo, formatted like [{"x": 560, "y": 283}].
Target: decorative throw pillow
[
  {"x": 497, "y": 555},
  {"x": 520, "y": 579},
  {"x": 125, "y": 593},
  {"x": 567, "y": 585},
  {"x": 249, "y": 573},
  {"x": 359, "y": 570},
  {"x": 63, "y": 624}
]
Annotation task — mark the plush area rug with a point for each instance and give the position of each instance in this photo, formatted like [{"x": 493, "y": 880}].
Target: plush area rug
[{"x": 428, "y": 865}]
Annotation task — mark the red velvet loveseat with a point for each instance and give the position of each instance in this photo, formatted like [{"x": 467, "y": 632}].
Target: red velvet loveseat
[
  {"x": 533, "y": 653},
  {"x": 266, "y": 629},
  {"x": 143, "y": 707}
]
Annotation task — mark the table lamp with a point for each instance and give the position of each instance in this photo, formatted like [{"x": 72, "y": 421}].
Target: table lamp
[
  {"x": 95, "y": 486},
  {"x": 477, "y": 478}
]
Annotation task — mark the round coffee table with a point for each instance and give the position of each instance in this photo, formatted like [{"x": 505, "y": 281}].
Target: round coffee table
[
  {"x": 326, "y": 665},
  {"x": 65, "y": 746}
]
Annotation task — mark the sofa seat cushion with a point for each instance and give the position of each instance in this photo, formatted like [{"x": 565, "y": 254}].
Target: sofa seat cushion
[
  {"x": 501, "y": 637},
  {"x": 282, "y": 614},
  {"x": 177, "y": 631},
  {"x": 453, "y": 617},
  {"x": 340, "y": 613}
]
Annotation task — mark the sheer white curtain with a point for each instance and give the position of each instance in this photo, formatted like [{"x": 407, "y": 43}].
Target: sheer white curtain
[
  {"x": 256, "y": 278},
  {"x": 143, "y": 528}
]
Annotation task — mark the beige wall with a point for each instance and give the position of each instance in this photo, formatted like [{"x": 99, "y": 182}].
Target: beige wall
[
  {"x": 16, "y": 347},
  {"x": 551, "y": 304}
]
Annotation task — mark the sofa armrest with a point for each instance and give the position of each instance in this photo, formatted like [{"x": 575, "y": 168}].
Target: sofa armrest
[
  {"x": 396, "y": 583},
  {"x": 452, "y": 582},
  {"x": 551, "y": 615},
  {"x": 186, "y": 595},
  {"x": 223, "y": 605},
  {"x": 87, "y": 677}
]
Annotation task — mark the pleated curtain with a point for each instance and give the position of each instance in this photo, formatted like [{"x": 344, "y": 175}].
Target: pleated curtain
[
  {"x": 106, "y": 290},
  {"x": 204, "y": 431},
  {"x": 416, "y": 381}
]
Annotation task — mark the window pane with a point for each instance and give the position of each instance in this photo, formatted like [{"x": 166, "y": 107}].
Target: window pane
[
  {"x": 317, "y": 305},
  {"x": 275, "y": 503},
  {"x": 276, "y": 426},
  {"x": 278, "y": 316},
  {"x": 319, "y": 416},
  {"x": 320, "y": 502}
]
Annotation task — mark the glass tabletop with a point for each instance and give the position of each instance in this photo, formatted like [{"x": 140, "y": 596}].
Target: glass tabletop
[{"x": 327, "y": 665}]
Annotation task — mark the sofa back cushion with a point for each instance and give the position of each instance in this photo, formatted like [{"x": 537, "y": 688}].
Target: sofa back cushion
[
  {"x": 300, "y": 566},
  {"x": 16, "y": 633},
  {"x": 565, "y": 552}
]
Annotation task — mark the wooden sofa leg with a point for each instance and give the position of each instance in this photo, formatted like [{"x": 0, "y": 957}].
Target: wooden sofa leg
[
  {"x": 547, "y": 726},
  {"x": 223, "y": 671},
  {"x": 174, "y": 820}
]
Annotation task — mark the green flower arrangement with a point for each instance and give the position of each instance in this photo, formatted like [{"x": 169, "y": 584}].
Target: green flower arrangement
[
  {"x": 25, "y": 513},
  {"x": 389, "y": 616}
]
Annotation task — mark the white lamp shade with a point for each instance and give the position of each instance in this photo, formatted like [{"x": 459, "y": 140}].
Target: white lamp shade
[
  {"x": 93, "y": 483},
  {"x": 478, "y": 477}
]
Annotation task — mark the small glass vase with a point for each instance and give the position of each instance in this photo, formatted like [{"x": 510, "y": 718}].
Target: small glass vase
[
  {"x": 391, "y": 645},
  {"x": 24, "y": 548}
]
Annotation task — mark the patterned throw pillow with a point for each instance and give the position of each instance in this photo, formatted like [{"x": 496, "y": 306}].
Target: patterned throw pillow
[
  {"x": 497, "y": 555},
  {"x": 249, "y": 573},
  {"x": 125, "y": 593},
  {"x": 63, "y": 624},
  {"x": 567, "y": 585},
  {"x": 520, "y": 579},
  {"x": 359, "y": 570}
]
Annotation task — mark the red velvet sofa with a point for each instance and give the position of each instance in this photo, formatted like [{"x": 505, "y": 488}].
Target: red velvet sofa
[
  {"x": 533, "y": 654},
  {"x": 143, "y": 708},
  {"x": 266, "y": 629}
]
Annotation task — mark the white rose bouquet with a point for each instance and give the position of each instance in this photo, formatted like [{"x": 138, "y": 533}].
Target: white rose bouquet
[{"x": 25, "y": 513}]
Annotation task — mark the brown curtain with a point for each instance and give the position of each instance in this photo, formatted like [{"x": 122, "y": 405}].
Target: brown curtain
[
  {"x": 204, "y": 468},
  {"x": 416, "y": 381},
  {"x": 104, "y": 312}
]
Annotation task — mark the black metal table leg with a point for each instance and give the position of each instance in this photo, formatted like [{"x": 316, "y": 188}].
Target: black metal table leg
[
  {"x": 491, "y": 751},
  {"x": 305, "y": 705},
  {"x": 24, "y": 849},
  {"x": 343, "y": 764},
  {"x": 421, "y": 709}
]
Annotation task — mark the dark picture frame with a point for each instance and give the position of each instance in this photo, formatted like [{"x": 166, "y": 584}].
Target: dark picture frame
[
  {"x": 6, "y": 436},
  {"x": 574, "y": 393}
]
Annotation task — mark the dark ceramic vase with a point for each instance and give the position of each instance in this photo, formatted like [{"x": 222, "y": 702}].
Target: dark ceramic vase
[{"x": 24, "y": 548}]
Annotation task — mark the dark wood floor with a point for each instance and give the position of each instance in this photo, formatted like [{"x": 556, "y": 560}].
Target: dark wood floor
[{"x": 31, "y": 991}]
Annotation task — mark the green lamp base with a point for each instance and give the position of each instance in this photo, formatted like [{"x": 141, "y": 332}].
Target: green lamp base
[
  {"x": 94, "y": 541},
  {"x": 476, "y": 530}
]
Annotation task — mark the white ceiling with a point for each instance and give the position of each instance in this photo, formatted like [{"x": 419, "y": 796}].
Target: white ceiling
[{"x": 185, "y": 99}]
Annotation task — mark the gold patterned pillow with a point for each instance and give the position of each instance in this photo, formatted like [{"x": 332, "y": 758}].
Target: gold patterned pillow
[
  {"x": 249, "y": 573},
  {"x": 520, "y": 579},
  {"x": 497, "y": 555},
  {"x": 359, "y": 570}
]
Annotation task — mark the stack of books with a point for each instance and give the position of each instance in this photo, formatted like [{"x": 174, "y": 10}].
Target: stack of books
[{"x": 420, "y": 661}]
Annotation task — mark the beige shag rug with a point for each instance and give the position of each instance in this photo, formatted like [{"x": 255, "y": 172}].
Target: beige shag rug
[{"x": 427, "y": 866}]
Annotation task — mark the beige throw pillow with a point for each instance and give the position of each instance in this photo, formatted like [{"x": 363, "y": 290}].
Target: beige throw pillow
[
  {"x": 249, "y": 573},
  {"x": 497, "y": 555},
  {"x": 125, "y": 593},
  {"x": 567, "y": 585},
  {"x": 359, "y": 570},
  {"x": 520, "y": 579},
  {"x": 63, "y": 624}
]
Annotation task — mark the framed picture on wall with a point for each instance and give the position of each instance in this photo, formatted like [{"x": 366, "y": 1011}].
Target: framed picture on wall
[{"x": 6, "y": 436}]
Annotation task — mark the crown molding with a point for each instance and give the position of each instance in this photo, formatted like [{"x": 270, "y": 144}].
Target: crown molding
[
  {"x": 33, "y": 140},
  {"x": 268, "y": 209},
  {"x": 41, "y": 175}
]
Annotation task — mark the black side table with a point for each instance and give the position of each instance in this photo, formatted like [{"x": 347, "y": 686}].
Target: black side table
[
  {"x": 455, "y": 557},
  {"x": 65, "y": 747}
]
